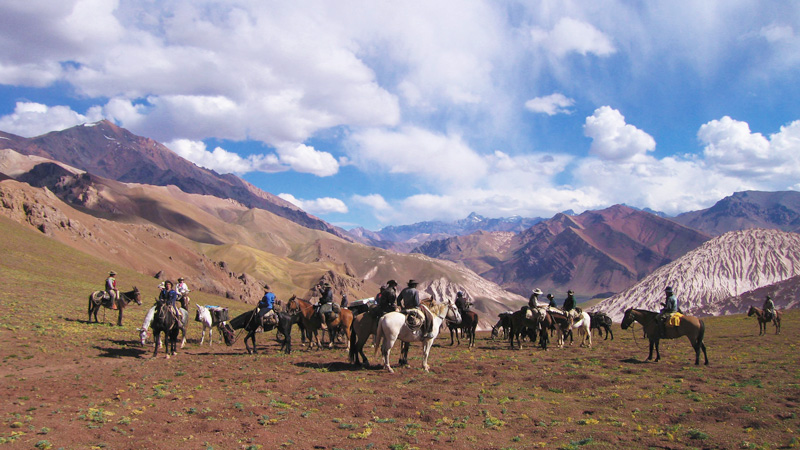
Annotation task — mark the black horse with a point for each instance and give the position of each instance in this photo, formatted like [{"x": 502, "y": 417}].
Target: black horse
[
  {"x": 99, "y": 298},
  {"x": 600, "y": 321},
  {"x": 165, "y": 321},
  {"x": 468, "y": 324},
  {"x": 250, "y": 322}
]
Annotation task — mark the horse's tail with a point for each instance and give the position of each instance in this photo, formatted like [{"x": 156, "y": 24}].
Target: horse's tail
[
  {"x": 702, "y": 333},
  {"x": 353, "y": 341}
]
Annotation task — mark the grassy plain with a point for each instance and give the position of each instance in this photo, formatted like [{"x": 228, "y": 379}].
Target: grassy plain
[{"x": 65, "y": 383}]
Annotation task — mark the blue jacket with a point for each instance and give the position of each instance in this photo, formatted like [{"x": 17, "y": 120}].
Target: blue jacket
[
  {"x": 671, "y": 305},
  {"x": 169, "y": 296},
  {"x": 267, "y": 301}
]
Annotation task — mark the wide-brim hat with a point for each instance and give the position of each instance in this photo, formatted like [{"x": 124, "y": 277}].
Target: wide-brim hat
[
  {"x": 668, "y": 289},
  {"x": 266, "y": 287},
  {"x": 112, "y": 273},
  {"x": 180, "y": 279},
  {"x": 459, "y": 294},
  {"x": 326, "y": 285},
  {"x": 570, "y": 292},
  {"x": 168, "y": 282},
  {"x": 412, "y": 282},
  {"x": 391, "y": 283},
  {"x": 769, "y": 298},
  {"x": 537, "y": 291}
]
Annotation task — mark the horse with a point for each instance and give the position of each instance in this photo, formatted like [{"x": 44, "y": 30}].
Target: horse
[
  {"x": 469, "y": 323},
  {"x": 763, "y": 321},
  {"x": 601, "y": 321},
  {"x": 163, "y": 320},
  {"x": 364, "y": 325},
  {"x": 148, "y": 318},
  {"x": 392, "y": 326},
  {"x": 504, "y": 322},
  {"x": 312, "y": 324},
  {"x": 692, "y": 327},
  {"x": 99, "y": 298},
  {"x": 521, "y": 325},
  {"x": 560, "y": 323},
  {"x": 208, "y": 321},
  {"x": 249, "y": 321},
  {"x": 584, "y": 327}
]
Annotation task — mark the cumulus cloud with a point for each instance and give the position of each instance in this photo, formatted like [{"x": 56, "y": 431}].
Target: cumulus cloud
[
  {"x": 572, "y": 35},
  {"x": 732, "y": 148},
  {"x": 222, "y": 160},
  {"x": 303, "y": 158},
  {"x": 33, "y": 119},
  {"x": 320, "y": 206},
  {"x": 551, "y": 104},
  {"x": 614, "y": 139},
  {"x": 374, "y": 201}
]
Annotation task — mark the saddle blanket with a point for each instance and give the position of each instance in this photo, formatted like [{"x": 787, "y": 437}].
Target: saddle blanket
[{"x": 674, "y": 319}]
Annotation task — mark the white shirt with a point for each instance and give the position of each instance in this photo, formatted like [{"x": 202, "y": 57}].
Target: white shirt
[{"x": 182, "y": 288}]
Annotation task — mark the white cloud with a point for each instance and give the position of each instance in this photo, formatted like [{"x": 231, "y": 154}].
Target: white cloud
[
  {"x": 730, "y": 147},
  {"x": 551, "y": 104},
  {"x": 33, "y": 119},
  {"x": 320, "y": 206},
  {"x": 614, "y": 139},
  {"x": 777, "y": 33},
  {"x": 222, "y": 160},
  {"x": 431, "y": 158},
  {"x": 572, "y": 35},
  {"x": 374, "y": 201},
  {"x": 303, "y": 158}
]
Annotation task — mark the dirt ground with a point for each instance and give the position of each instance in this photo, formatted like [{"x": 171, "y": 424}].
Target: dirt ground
[{"x": 74, "y": 385}]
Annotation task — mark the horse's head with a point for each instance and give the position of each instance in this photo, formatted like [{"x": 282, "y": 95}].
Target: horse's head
[
  {"x": 142, "y": 335},
  {"x": 452, "y": 313},
  {"x": 627, "y": 319},
  {"x": 751, "y": 311},
  {"x": 495, "y": 332},
  {"x": 292, "y": 306},
  {"x": 137, "y": 296}
]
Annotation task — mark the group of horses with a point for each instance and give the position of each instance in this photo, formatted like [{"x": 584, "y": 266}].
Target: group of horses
[{"x": 357, "y": 326}]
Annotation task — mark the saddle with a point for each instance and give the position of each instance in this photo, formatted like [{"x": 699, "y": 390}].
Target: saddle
[
  {"x": 674, "y": 319},
  {"x": 330, "y": 310}
]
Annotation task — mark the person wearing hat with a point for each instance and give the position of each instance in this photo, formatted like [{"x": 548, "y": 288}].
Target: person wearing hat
[
  {"x": 169, "y": 296},
  {"x": 409, "y": 299},
  {"x": 182, "y": 289},
  {"x": 569, "y": 302},
  {"x": 111, "y": 289},
  {"x": 769, "y": 308},
  {"x": 670, "y": 306},
  {"x": 344, "y": 301},
  {"x": 533, "y": 301},
  {"x": 267, "y": 303},
  {"x": 326, "y": 296},
  {"x": 552, "y": 299},
  {"x": 387, "y": 298}
]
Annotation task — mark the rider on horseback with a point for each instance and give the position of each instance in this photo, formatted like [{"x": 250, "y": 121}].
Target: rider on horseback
[
  {"x": 182, "y": 289},
  {"x": 266, "y": 305},
  {"x": 552, "y": 299},
  {"x": 569, "y": 302},
  {"x": 325, "y": 299},
  {"x": 169, "y": 296},
  {"x": 769, "y": 308},
  {"x": 111, "y": 289},
  {"x": 461, "y": 303},
  {"x": 409, "y": 300},
  {"x": 533, "y": 301},
  {"x": 387, "y": 298},
  {"x": 670, "y": 307}
]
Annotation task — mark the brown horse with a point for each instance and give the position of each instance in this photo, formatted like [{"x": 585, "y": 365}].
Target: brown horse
[
  {"x": 763, "y": 321},
  {"x": 691, "y": 327},
  {"x": 312, "y": 323},
  {"x": 469, "y": 323},
  {"x": 535, "y": 325},
  {"x": 98, "y": 299},
  {"x": 364, "y": 325}
]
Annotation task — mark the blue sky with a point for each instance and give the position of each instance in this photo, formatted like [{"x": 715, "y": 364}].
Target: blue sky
[{"x": 388, "y": 113}]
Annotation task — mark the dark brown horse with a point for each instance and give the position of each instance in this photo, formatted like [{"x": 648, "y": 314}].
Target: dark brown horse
[
  {"x": 164, "y": 321},
  {"x": 601, "y": 321},
  {"x": 691, "y": 327},
  {"x": 469, "y": 323},
  {"x": 364, "y": 325},
  {"x": 504, "y": 323},
  {"x": 763, "y": 321},
  {"x": 250, "y": 322},
  {"x": 533, "y": 326},
  {"x": 312, "y": 323},
  {"x": 98, "y": 299}
]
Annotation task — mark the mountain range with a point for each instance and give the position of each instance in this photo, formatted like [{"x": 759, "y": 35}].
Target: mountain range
[{"x": 129, "y": 199}]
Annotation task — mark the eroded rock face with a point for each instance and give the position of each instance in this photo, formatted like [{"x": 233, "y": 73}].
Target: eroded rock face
[{"x": 705, "y": 278}]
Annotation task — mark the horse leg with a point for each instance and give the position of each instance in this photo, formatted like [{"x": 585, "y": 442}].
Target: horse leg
[
  {"x": 652, "y": 345},
  {"x": 183, "y": 337},
  {"x": 156, "y": 342},
  {"x": 426, "y": 350},
  {"x": 404, "y": 346},
  {"x": 119, "y": 318},
  {"x": 658, "y": 353}
]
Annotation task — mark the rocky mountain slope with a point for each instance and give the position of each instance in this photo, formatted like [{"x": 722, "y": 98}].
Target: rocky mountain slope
[
  {"x": 705, "y": 278},
  {"x": 109, "y": 151},
  {"x": 744, "y": 210},
  {"x": 593, "y": 253}
]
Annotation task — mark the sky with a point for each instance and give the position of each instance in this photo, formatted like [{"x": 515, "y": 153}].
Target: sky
[{"x": 375, "y": 113}]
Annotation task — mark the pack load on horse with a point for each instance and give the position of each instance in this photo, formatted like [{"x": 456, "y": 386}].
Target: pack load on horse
[
  {"x": 600, "y": 322},
  {"x": 504, "y": 323},
  {"x": 210, "y": 316},
  {"x": 361, "y": 306},
  {"x": 394, "y": 325},
  {"x": 251, "y": 321},
  {"x": 112, "y": 298},
  {"x": 674, "y": 326},
  {"x": 766, "y": 315}
]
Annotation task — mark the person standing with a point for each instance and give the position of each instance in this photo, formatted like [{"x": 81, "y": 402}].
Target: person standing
[{"x": 111, "y": 289}]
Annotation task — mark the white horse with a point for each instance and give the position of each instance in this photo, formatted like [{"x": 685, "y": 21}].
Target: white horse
[
  {"x": 208, "y": 323},
  {"x": 583, "y": 324},
  {"x": 392, "y": 326},
  {"x": 148, "y": 318}
]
